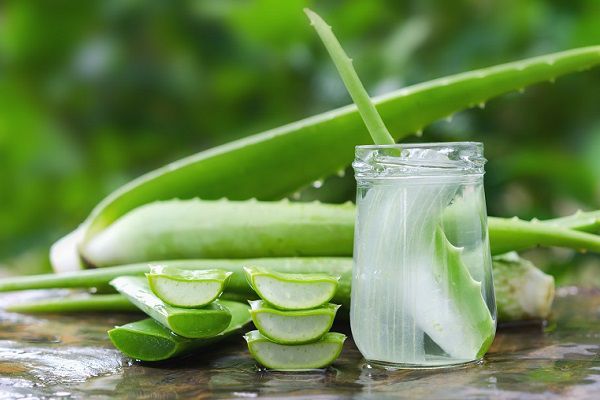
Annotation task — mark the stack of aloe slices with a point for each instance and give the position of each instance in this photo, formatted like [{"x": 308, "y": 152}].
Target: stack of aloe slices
[
  {"x": 183, "y": 309},
  {"x": 293, "y": 320}
]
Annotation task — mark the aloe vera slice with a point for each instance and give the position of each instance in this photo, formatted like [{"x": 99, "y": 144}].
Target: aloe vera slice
[
  {"x": 147, "y": 340},
  {"x": 190, "y": 323},
  {"x": 292, "y": 327},
  {"x": 187, "y": 288},
  {"x": 292, "y": 291},
  {"x": 285, "y": 357}
]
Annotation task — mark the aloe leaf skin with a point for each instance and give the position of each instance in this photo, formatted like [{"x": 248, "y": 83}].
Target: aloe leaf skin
[
  {"x": 180, "y": 229},
  {"x": 292, "y": 327},
  {"x": 584, "y": 221},
  {"x": 273, "y": 164},
  {"x": 291, "y": 291},
  {"x": 283, "y": 357},
  {"x": 513, "y": 234},
  {"x": 186, "y": 288},
  {"x": 147, "y": 340},
  {"x": 240, "y": 290},
  {"x": 85, "y": 303},
  {"x": 191, "y": 323}
]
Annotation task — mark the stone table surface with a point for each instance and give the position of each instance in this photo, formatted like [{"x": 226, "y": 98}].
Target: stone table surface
[{"x": 70, "y": 356}]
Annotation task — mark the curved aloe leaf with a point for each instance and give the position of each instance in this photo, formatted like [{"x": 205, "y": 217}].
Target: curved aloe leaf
[
  {"x": 80, "y": 303},
  {"x": 273, "y": 164},
  {"x": 147, "y": 340}
]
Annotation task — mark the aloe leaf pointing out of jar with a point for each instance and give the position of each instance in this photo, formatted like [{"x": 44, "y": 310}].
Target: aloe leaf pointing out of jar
[
  {"x": 292, "y": 291},
  {"x": 187, "y": 288},
  {"x": 295, "y": 357},
  {"x": 191, "y": 323},
  {"x": 292, "y": 327}
]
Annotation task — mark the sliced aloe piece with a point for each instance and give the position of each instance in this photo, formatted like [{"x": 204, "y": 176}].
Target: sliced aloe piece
[
  {"x": 190, "y": 323},
  {"x": 292, "y": 327},
  {"x": 285, "y": 357},
  {"x": 187, "y": 288},
  {"x": 147, "y": 340},
  {"x": 292, "y": 291}
]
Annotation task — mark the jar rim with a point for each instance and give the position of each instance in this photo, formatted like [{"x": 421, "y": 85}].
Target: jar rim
[{"x": 420, "y": 145}]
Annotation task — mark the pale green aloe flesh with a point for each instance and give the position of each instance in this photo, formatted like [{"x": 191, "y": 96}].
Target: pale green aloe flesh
[
  {"x": 289, "y": 291},
  {"x": 224, "y": 229},
  {"x": 284, "y": 357},
  {"x": 528, "y": 282},
  {"x": 186, "y": 288},
  {"x": 191, "y": 323},
  {"x": 147, "y": 340},
  {"x": 522, "y": 291},
  {"x": 292, "y": 327},
  {"x": 240, "y": 229},
  {"x": 245, "y": 168}
]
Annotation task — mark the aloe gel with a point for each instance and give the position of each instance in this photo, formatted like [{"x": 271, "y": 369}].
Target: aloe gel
[
  {"x": 292, "y": 327},
  {"x": 187, "y": 288},
  {"x": 422, "y": 291},
  {"x": 292, "y": 291}
]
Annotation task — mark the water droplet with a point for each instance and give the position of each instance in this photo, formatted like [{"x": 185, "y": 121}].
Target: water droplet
[
  {"x": 552, "y": 80},
  {"x": 419, "y": 132},
  {"x": 449, "y": 118},
  {"x": 296, "y": 196},
  {"x": 341, "y": 173},
  {"x": 317, "y": 184},
  {"x": 481, "y": 105},
  {"x": 521, "y": 90}
]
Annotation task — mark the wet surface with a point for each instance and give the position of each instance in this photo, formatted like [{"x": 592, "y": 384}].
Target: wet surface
[{"x": 65, "y": 357}]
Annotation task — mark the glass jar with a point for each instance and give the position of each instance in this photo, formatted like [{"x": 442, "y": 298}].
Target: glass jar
[{"x": 422, "y": 290}]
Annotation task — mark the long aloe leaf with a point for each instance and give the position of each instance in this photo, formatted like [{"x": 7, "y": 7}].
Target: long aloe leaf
[{"x": 277, "y": 162}]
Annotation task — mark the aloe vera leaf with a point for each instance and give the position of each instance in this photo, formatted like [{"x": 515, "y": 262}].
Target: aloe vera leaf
[
  {"x": 295, "y": 357},
  {"x": 239, "y": 289},
  {"x": 513, "y": 234},
  {"x": 273, "y": 164},
  {"x": 239, "y": 229},
  {"x": 147, "y": 340},
  {"x": 292, "y": 291},
  {"x": 464, "y": 327},
  {"x": 224, "y": 229},
  {"x": 191, "y": 323},
  {"x": 339, "y": 266},
  {"x": 522, "y": 291},
  {"x": 343, "y": 63},
  {"x": 292, "y": 327},
  {"x": 584, "y": 221},
  {"x": 185, "y": 287},
  {"x": 79, "y": 303}
]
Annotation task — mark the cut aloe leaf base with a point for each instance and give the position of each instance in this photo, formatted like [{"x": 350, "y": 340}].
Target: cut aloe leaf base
[
  {"x": 187, "y": 288},
  {"x": 191, "y": 323},
  {"x": 147, "y": 340},
  {"x": 292, "y": 291},
  {"x": 292, "y": 327},
  {"x": 285, "y": 357}
]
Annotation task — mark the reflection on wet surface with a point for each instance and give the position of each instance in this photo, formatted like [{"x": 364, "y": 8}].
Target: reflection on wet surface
[{"x": 58, "y": 356}]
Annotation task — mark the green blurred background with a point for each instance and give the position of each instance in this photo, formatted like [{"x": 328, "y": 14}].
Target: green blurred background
[{"x": 95, "y": 93}]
